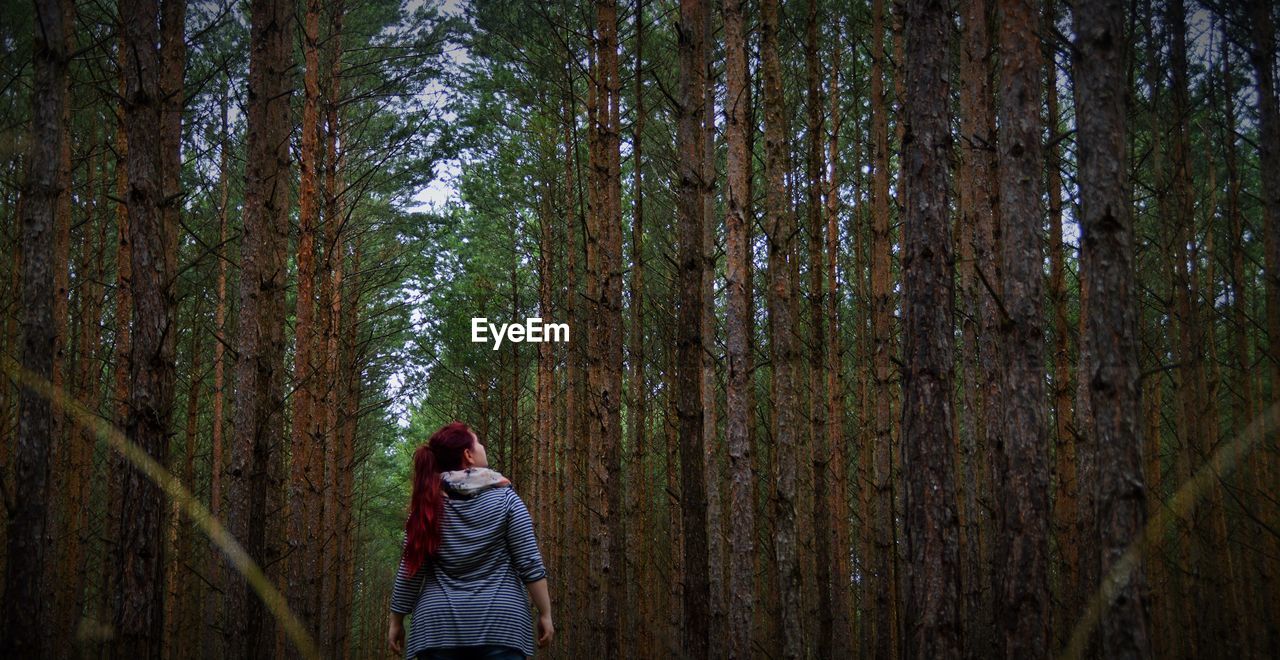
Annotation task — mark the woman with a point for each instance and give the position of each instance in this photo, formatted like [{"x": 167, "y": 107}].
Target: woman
[{"x": 469, "y": 544}]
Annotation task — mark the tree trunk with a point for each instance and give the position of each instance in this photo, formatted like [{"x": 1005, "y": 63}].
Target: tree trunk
[
  {"x": 842, "y": 643},
  {"x": 638, "y": 481},
  {"x": 689, "y": 326},
  {"x": 1110, "y": 342},
  {"x": 210, "y": 642},
  {"x": 1262, "y": 55},
  {"x": 260, "y": 361},
  {"x": 737, "y": 325},
  {"x": 932, "y": 527},
  {"x": 177, "y": 625},
  {"x": 1023, "y": 566},
  {"x": 885, "y": 616},
  {"x": 1241, "y": 382},
  {"x": 56, "y": 524},
  {"x": 782, "y": 328},
  {"x": 711, "y": 449},
  {"x": 824, "y": 557},
  {"x": 173, "y": 53},
  {"x": 153, "y": 226},
  {"x": 24, "y": 616},
  {"x": 978, "y": 265},
  {"x": 604, "y": 289},
  {"x": 124, "y": 341},
  {"x": 306, "y": 481},
  {"x": 336, "y": 240},
  {"x": 350, "y": 389},
  {"x": 87, "y": 389}
]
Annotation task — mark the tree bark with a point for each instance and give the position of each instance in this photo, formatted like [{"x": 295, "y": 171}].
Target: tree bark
[
  {"x": 1262, "y": 55},
  {"x": 782, "y": 329},
  {"x": 259, "y": 397},
  {"x": 152, "y": 226},
  {"x": 842, "y": 643},
  {"x": 741, "y": 603},
  {"x": 124, "y": 339},
  {"x": 885, "y": 613},
  {"x": 604, "y": 364},
  {"x": 689, "y": 327},
  {"x": 638, "y": 489},
  {"x": 1023, "y": 566},
  {"x": 306, "y": 481},
  {"x": 932, "y": 526},
  {"x": 979, "y": 270},
  {"x": 824, "y": 557},
  {"x": 329, "y": 340},
  {"x": 211, "y": 643},
  {"x": 24, "y": 616},
  {"x": 1107, "y": 246},
  {"x": 711, "y": 449}
]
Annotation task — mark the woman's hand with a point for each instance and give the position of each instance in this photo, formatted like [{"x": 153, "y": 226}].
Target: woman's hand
[
  {"x": 395, "y": 633},
  {"x": 546, "y": 629}
]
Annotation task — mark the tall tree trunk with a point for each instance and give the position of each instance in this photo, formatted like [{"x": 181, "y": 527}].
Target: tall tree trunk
[
  {"x": 211, "y": 643},
  {"x": 689, "y": 327},
  {"x": 711, "y": 448},
  {"x": 351, "y": 388},
  {"x": 177, "y": 582},
  {"x": 1241, "y": 382},
  {"x": 885, "y": 614},
  {"x": 824, "y": 557},
  {"x": 978, "y": 266},
  {"x": 1023, "y": 566},
  {"x": 87, "y": 389},
  {"x": 842, "y": 643},
  {"x": 546, "y": 360},
  {"x": 638, "y": 475},
  {"x": 56, "y": 523},
  {"x": 124, "y": 339},
  {"x": 1262, "y": 55},
  {"x": 737, "y": 325},
  {"x": 336, "y": 240},
  {"x": 152, "y": 226},
  {"x": 782, "y": 328},
  {"x": 328, "y": 340},
  {"x": 604, "y": 267},
  {"x": 24, "y": 616},
  {"x": 1110, "y": 342},
  {"x": 932, "y": 527},
  {"x": 574, "y": 421},
  {"x": 306, "y": 481},
  {"x": 173, "y": 53},
  {"x": 260, "y": 361}
]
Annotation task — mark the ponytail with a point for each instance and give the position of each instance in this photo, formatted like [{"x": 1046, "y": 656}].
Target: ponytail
[{"x": 442, "y": 453}]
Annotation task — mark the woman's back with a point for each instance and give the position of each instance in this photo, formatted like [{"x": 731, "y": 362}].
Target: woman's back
[{"x": 472, "y": 592}]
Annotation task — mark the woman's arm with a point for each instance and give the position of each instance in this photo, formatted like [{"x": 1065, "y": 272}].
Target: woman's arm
[
  {"x": 523, "y": 547},
  {"x": 521, "y": 542},
  {"x": 404, "y": 595},
  {"x": 405, "y": 590},
  {"x": 538, "y": 592},
  {"x": 395, "y": 633}
]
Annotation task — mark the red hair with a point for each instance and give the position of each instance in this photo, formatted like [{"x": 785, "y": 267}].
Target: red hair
[{"x": 442, "y": 453}]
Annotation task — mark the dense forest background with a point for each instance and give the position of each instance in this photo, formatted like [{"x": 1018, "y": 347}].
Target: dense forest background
[{"x": 898, "y": 329}]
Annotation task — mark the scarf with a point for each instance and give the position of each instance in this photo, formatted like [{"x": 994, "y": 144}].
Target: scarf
[{"x": 472, "y": 481}]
